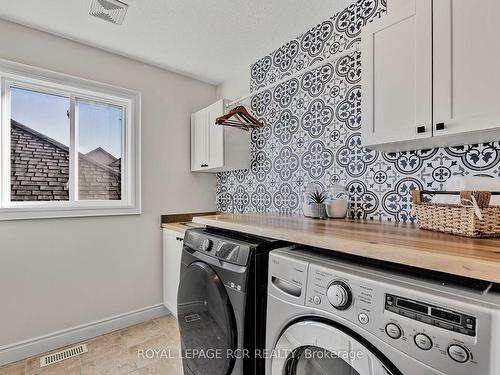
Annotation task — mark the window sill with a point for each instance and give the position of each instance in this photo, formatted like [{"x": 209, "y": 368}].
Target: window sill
[{"x": 26, "y": 213}]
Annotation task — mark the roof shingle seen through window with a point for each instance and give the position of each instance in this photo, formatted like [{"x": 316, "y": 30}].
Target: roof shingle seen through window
[{"x": 40, "y": 169}]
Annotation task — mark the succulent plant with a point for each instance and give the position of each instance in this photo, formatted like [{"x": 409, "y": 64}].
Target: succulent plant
[{"x": 317, "y": 197}]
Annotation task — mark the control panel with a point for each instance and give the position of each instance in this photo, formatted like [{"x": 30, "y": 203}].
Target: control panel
[
  {"x": 231, "y": 251},
  {"x": 442, "y": 331},
  {"x": 431, "y": 314}
]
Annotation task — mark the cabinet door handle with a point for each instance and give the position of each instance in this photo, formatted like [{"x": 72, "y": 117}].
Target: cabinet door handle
[
  {"x": 420, "y": 129},
  {"x": 204, "y": 165},
  {"x": 179, "y": 239},
  {"x": 440, "y": 126}
]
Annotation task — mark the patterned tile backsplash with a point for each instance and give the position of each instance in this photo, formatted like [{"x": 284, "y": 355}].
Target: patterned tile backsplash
[{"x": 312, "y": 133}]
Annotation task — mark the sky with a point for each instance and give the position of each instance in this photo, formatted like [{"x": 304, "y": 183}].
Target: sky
[{"x": 100, "y": 125}]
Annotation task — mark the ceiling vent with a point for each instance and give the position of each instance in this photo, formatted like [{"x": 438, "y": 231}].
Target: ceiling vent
[{"x": 109, "y": 10}]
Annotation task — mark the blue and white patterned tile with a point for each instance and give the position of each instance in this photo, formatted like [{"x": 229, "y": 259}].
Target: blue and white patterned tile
[
  {"x": 440, "y": 168},
  {"x": 317, "y": 118},
  {"x": 273, "y": 181},
  {"x": 336, "y": 135},
  {"x": 397, "y": 202},
  {"x": 286, "y": 126},
  {"x": 261, "y": 199},
  {"x": 300, "y": 141},
  {"x": 477, "y": 158},
  {"x": 362, "y": 201},
  {"x": 355, "y": 158},
  {"x": 317, "y": 159},
  {"x": 321, "y": 42},
  {"x": 299, "y": 180},
  {"x": 381, "y": 177},
  {"x": 336, "y": 175},
  {"x": 311, "y": 134},
  {"x": 272, "y": 114},
  {"x": 286, "y": 200}
]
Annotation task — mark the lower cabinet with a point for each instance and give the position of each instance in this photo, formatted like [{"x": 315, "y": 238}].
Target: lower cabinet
[{"x": 172, "y": 253}]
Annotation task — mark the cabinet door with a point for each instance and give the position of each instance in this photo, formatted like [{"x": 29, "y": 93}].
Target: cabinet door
[
  {"x": 216, "y": 136},
  {"x": 199, "y": 141},
  {"x": 172, "y": 254},
  {"x": 397, "y": 75},
  {"x": 466, "y": 60}
]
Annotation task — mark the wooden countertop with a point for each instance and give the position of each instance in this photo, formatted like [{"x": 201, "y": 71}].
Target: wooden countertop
[
  {"x": 180, "y": 227},
  {"x": 393, "y": 242},
  {"x": 181, "y": 222}
]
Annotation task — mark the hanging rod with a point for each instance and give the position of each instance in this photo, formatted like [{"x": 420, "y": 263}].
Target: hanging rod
[{"x": 296, "y": 74}]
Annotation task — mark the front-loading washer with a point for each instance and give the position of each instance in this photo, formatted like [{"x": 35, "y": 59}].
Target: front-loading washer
[
  {"x": 331, "y": 315},
  {"x": 221, "y": 301}
]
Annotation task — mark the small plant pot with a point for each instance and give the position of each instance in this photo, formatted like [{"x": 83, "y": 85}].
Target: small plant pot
[
  {"x": 337, "y": 209},
  {"x": 317, "y": 210},
  {"x": 306, "y": 209}
]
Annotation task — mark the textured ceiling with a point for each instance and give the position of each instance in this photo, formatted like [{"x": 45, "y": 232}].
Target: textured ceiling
[{"x": 207, "y": 39}]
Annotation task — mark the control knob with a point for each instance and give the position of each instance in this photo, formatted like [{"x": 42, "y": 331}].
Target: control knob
[
  {"x": 458, "y": 353},
  {"x": 423, "y": 341},
  {"x": 206, "y": 245},
  {"x": 393, "y": 331},
  {"x": 339, "y": 295}
]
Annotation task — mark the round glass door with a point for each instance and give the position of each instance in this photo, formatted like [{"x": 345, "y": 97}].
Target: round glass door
[
  {"x": 314, "y": 348},
  {"x": 206, "y": 321}
]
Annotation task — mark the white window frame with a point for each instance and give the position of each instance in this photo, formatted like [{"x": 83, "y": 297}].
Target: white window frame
[{"x": 31, "y": 78}]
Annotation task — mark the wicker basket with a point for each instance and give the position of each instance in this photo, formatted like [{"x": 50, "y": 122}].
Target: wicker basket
[{"x": 461, "y": 219}]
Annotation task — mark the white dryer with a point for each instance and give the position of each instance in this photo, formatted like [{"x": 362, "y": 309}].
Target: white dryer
[{"x": 328, "y": 315}]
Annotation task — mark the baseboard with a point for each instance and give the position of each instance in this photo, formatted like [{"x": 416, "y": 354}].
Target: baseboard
[
  {"x": 28, "y": 348},
  {"x": 171, "y": 309}
]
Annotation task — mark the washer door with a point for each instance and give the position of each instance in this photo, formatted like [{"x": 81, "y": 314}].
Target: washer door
[
  {"x": 315, "y": 348},
  {"x": 206, "y": 321}
]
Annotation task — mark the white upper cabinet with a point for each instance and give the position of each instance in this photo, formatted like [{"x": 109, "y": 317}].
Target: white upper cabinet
[
  {"x": 215, "y": 136},
  {"x": 430, "y": 76},
  {"x": 466, "y": 67},
  {"x": 397, "y": 76},
  {"x": 216, "y": 148},
  {"x": 199, "y": 141}
]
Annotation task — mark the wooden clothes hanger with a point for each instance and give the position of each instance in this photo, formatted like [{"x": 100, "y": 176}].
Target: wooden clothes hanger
[{"x": 240, "y": 118}]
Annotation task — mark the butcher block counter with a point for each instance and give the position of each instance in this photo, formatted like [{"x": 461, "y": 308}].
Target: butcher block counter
[{"x": 393, "y": 242}]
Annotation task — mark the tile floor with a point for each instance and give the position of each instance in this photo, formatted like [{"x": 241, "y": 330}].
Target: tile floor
[{"x": 117, "y": 353}]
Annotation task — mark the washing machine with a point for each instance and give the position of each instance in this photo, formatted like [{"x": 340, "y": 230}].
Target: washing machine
[
  {"x": 221, "y": 302},
  {"x": 331, "y": 315}
]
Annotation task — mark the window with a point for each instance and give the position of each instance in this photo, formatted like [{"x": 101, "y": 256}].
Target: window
[{"x": 69, "y": 147}]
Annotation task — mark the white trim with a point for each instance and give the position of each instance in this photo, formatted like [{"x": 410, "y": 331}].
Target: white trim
[
  {"x": 73, "y": 150},
  {"x": 38, "y": 345},
  {"x": 32, "y": 78},
  {"x": 171, "y": 309}
]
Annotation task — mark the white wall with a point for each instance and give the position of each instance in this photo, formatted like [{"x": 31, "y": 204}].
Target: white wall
[
  {"x": 395, "y": 4},
  {"x": 236, "y": 86},
  {"x": 60, "y": 273}
]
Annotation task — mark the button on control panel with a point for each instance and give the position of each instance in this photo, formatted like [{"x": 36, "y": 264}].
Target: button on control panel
[
  {"x": 393, "y": 331},
  {"x": 423, "y": 341},
  {"x": 363, "y": 318},
  {"x": 458, "y": 353}
]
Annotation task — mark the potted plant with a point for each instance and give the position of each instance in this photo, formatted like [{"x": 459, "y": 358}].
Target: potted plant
[{"x": 317, "y": 204}]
